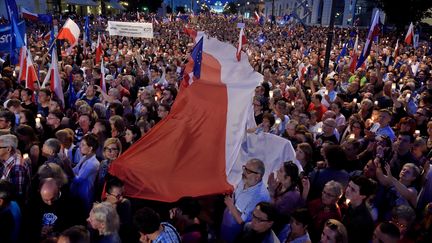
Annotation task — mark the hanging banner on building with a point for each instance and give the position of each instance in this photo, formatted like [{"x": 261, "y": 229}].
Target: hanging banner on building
[
  {"x": 130, "y": 29},
  {"x": 6, "y": 36}
]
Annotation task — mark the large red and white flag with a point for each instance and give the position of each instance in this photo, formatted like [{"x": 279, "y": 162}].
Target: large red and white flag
[
  {"x": 69, "y": 32},
  {"x": 99, "y": 50},
  {"x": 410, "y": 35},
  {"x": 354, "y": 56},
  {"x": 195, "y": 149},
  {"x": 242, "y": 41},
  {"x": 53, "y": 77}
]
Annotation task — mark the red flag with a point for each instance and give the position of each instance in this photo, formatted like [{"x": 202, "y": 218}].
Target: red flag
[
  {"x": 22, "y": 63},
  {"x": 30, "y": 72},
  {"x": 99, "y": 50},
  {"x": 53, "y": 76},
  {"x": 242, "y": 41},
  {"x": 354, "y": 56},
  {"x": 410, "y": 35},
  {"x": 204, "y": 134},
  {"x": 70, "y": 32},
  {"x": 396, "y": 50}
]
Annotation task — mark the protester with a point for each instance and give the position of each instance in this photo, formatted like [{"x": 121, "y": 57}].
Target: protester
[{"x": 374, "y": 120}]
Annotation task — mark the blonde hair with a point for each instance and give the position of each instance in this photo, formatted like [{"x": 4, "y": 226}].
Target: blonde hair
[{"x": 115, "y": 141}]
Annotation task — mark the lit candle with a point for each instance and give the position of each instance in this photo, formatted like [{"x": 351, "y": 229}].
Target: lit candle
[
  {"x": 25, "y": 156},
  {"x": 319, "y": 130},
  {"x": 351, "y": 136},
  {"x": 292, "y": 103},
  {"x": 39, "y": 116},
  {"x": 278, "y": 121},
  {"x": 38, "y": 122},
  {"x": 326, "y": 92},
  {"x": 393, "y": 86},
  {"x": 355, "y": 100},
  {"x": 271, "y": 94},
  {"x": 417, "y": 132},
  {"x": 408, "y": 95}
]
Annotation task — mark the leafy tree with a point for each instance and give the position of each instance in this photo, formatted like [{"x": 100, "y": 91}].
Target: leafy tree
[{"x": 402, "y": 12}]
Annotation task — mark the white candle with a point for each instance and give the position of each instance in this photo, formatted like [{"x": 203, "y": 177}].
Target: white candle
[
  {"x": 38, "y": 122},
  {"x": 417, "y": 132},
  {"x": 393, "y": 86},
  {"x": 376, "y": 102},
  {"x": 355, "y": 100},
  {"x": 271, "y": 94},
  {"x": 351, "y": 136},
  {"x": 408, "y": 95},
  {"x": 319, "y": 130},
  {"x": 278, "y": 121},
  {"x": 25, "y": 156}
]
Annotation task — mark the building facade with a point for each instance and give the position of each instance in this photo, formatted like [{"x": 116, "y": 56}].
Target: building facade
[{"x": 317, "y": 12}]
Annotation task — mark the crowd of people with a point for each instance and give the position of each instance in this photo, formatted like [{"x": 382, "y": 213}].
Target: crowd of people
[{"x": 362, "y": 137}]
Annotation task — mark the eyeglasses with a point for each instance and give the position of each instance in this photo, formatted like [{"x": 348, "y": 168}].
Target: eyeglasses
[
  {"x": 118, "y": 197},
  {"x": 249, "y": 171},
  {"x": 259, "y": 219},
  {"x": 328, "y": 194},
  {"x": 111, "y": 150}
]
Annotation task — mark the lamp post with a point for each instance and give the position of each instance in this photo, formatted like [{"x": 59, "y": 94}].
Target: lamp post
[
  {"x": 329, "y": 41},
  {"x": 271, "y": 22}
]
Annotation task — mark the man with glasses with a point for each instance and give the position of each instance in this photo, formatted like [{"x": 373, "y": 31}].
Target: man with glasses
[
  {"x": 260, "y": 227},
  {"x": 114, "y": 190},
  {"x": 247, "y": 194},
  {"x": 12, "y": 167}
]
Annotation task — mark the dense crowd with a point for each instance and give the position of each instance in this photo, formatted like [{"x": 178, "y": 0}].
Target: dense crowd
[{"x": 362, "y": 137}]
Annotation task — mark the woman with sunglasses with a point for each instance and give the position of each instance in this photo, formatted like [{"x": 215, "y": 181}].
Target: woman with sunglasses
[
  {"x": 284, "y": 192},
  {"x": 112, "y": 150}
]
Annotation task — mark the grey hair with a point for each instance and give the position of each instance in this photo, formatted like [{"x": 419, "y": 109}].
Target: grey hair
[
  {"x": 9, "y": 140},
  {"x": 260, "y": 165},
  {"x": 335, "y": 187},
  {"x": 54, "y": 144},
  {"x": 105, "y": 213}
]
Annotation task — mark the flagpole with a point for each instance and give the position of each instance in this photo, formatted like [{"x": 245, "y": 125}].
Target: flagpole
[{"x": 329, "y": 41}]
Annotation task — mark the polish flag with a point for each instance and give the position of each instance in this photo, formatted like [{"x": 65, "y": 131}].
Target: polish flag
[
  {"x": 99, "y": 50},
  {"x": 102, "y": 81},
  {"x": 203, "y": 133},
  {"x": 53, "y": 77},
  {"x": 257, "y": 17},
  {"x": 29, "y": 72},
  {"x": 396, "y": 50},
  {"x": 242, "y": 41},
  {"x": 410, "y": 35},
  {"x": 29, "y": 15},
  {"x": 70, "y": 32},
  {"x": 354, "y": 56},
  {"x": 22, "y": 63}
]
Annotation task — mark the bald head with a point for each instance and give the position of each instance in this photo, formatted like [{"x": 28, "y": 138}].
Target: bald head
[{"x": 49, "y": 191}]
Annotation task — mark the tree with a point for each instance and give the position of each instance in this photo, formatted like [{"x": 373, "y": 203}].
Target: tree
[
  {"x": 402, "y": 12},
  {"x": 230, "y": 8}
]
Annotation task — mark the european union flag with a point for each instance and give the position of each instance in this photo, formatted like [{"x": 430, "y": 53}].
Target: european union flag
[
  {"x": 197, "y": 58},
  {"x": 46, "y": 18}
]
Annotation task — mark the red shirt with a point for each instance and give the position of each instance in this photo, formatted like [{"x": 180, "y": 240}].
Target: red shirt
[{"x": 319, "y": 110}]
